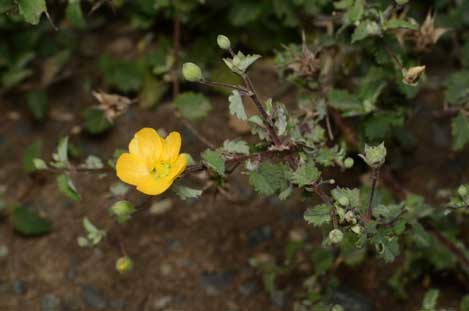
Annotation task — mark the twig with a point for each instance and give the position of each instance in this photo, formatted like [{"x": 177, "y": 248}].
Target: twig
[
  {"x": 194, "y": 131},
  {"x": 327, "y": 199},
  {"x": 394, "y": 57},
  {"x": 374, "y": 180},
  {"x": 241, "y": 89}
]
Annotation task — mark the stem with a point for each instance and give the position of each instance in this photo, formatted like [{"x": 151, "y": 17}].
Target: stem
[
  {"x": 241, "y": 89},
  {"x": 394, "y": 57},
  {"x": 77, "y": 170},
  {"x": 326, "y": 199},
  {"x": 374, "y": 180},
  {"x": 194, "y": 131}
]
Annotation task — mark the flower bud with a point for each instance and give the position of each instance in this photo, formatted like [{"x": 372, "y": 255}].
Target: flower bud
[
  {"x": 344, "y": 201},
  {"x": 336, "y": 236},
  {"x": 191, "y": 72},
  {"x": 124, "y": 264},
  {"x": 123, "y": 210},
  {"x": 348, "y": 162},
  {"x": 337, "y": 308},
  {"x": 462, "y": 190},
  {"x": 374, "y": 156},
  {"x": 223, "y": 42},
  {"x": 412, "y": 75},
  {"x": 350, "y": 217}
]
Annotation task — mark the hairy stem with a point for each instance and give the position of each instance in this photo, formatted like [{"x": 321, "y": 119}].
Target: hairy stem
[
  {"x": 241, "y": 89},
  {"x": 176, "y": 47},
  {"x": 374, "y": 180}
]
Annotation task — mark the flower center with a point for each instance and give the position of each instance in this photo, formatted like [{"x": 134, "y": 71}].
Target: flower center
[{"x": 161, "y": 170}]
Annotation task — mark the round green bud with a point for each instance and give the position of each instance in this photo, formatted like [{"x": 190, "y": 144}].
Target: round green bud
[
  {"x": 348, "y": 162},
  {"x": 337, "y": 308},
  {"x": 462, "y": 190},
  {"x": 344, "y": 201},
  {"x": 223, "y": 42},
  {"x": 191, "y": 72},
  {"x": 124, "y": 264},
  {"x": 122, "y": 208},
  {"x": 336, "y": 236}
]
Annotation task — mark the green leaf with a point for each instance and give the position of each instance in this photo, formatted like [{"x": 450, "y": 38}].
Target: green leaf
[
  {"x": 215, "y": 161},
  {"x": 365, "y": 29},
  {"x": 185, "y": 193},
  {"x": 379, "y": 125},
  {"x": 395, "y": 23},
  {"x": 318, "y": 215},
  {"x": 124, "y": 75},
  {"x": 355, "y": 12},
  {"x": 61, "y": 154},
  {"x": 387, "y": 247},
  {"x": 37, "y": 104},
  {"x": 31, "y": 10},
  {"x": 457, "y": 87},
  {"x": 32, "y": 152},
  {"x": 345, "y": 102},
  {"x": 67, "y": 187},
  {"x": 269, "y": 178},
  {"x": 430, "y": 300},
  {"x": 460, "y": 131},
  {"x": 236, "y": 146},
  {"x": 343, "y": 4},
  {"x": 95, "y": 121},
  {"x": 93, "y": 234},
  {"x": 306, "y": 174},
  {"x": 29, "y": 223},
  {"x": 352, "y": 195},
  {"x": 193, "y": 106},
  {"x": 152, "y": 91},
  {"x": 237, "y": 106},
  {"x": 74, "y": 14}
]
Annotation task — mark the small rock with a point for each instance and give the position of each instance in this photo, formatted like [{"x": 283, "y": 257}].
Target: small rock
[
  {"x": 166, "y": 269},
  {"x": 214, "y": 282},
  {"x": 279, "y": 298},
  {"x": 50, "y": 302},
  {"x": 351, "y": 300},
  {"x": 248, "y": 289},
  {"x": 259, "y": 235},
  {"x": 163, "y": 302},
  {"x": 161, "y": 207},
  {"x": 93, "y": 298},
  {"x": 118, "y": 304},
  {"x": 20, "y": 287},
  {"x": 3, "y": 250}
]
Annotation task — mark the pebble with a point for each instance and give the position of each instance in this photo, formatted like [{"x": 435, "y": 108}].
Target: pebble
[
  {"x": 279, "y": 298},
  {"x": 351, "y": 300},
  {"x": 93, "y": 298},
  {"x": 215, "y": 282},
  {"x": 248, "y": 289},
  {"x": 161, "y": 207},
  {"x": 20, "y": 287},
  {"x": 50, "y": 302},
  {"x": 163, "y": 302}
]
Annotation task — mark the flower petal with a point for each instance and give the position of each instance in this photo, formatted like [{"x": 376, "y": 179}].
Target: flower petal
[
  {"x": 178, "y": 166},
  {"x": 153, "y": 186},
  {"x": 148, "y": 145},
  {"x": 172, "y": 146},
  {"x": 131, "y": 168}
]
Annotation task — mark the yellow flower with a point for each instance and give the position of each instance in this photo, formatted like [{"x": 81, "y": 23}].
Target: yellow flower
[{"x": 153, "y": 163}]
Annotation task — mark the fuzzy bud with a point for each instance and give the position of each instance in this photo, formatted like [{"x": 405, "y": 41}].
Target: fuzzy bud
[
  {"x": 374, "y": 156},
  {"x": 336, "y": 236},
  {"x": 223, "y": 42},
  {"x": 123, "y": 210},
  {"x": 462, "y": 190},
  {"x": 348, "y": 162},
  {"x": 344, "y": 201},
  {"x": 191, "y": 72},
  {"x": 412, "y": 75}
]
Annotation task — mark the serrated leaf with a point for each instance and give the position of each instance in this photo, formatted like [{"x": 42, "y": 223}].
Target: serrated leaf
[
  {"x": 185, "y": 193},
  {"x": 318, "y": 215},
  {"x": 67, "y": 187},
  {"x": 352, "y": 194},
  {"x": 457, "y": 88},
  {"x": 236, "y": 146},
  {"x": 343, "y": 4},
  {"x": 387, "y": 247},
  {"x": 152, "y": 91},
  {"x": 345, "y": 102},
  {"x": 32, "y": 152},
  {"x": 236, "y": 106},
  {"x": 268, "y": 178},
  {"x": 306, "y": 174},
  {"x": 62, "y": 150},
  {"x": 395, "y": 23},
  {"x": 93, "y": 234},
  {"x": 29, "y": 223},
  {"x": 193, "y": 106},
  {"x": 464, "y": 305},
  {"x": 31, "y": 10},
  {"x": 95, "y": 121},
  {"x": 215, "y": 161},
  {"x": 460, "y": 131},
  {"x": 355, "y": 12},
  {"x": 365, "y": 29}
]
